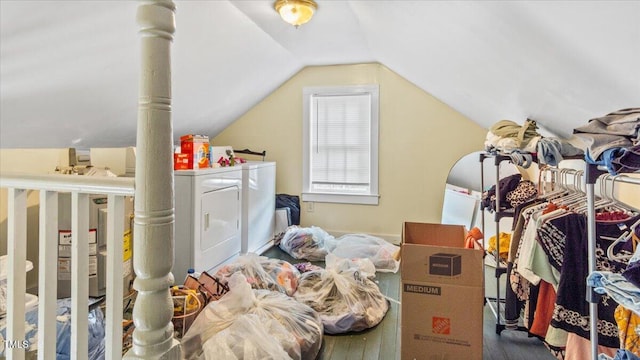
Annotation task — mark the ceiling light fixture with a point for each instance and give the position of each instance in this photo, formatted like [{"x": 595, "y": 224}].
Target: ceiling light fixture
[{"x": 295, "y": 12}]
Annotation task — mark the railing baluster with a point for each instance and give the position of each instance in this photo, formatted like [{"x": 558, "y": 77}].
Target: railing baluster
[
  {"x": 81, "y": 188},
  {"x": 115, "y": 231},
  {"x": 79, "y": 276},
  {"x": 47, "y": 274},
  {"x": 16, "y": 275}
]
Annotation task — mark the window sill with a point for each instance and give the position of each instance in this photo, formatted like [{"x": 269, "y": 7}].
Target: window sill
[{"x": 341, "y": 198}]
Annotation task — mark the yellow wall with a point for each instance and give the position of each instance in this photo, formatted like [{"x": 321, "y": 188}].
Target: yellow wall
[{"x": 420, "y": 140}]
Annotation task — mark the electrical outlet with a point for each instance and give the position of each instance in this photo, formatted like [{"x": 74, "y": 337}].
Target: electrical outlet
[{"x": 310, "y": 206}]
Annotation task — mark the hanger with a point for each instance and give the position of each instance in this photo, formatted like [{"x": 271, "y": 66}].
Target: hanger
[
  {"x": 621, "y": 239},
  {"x": 562, "y": 190}
]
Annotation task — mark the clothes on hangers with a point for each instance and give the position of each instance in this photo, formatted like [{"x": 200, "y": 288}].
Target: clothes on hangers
[
  {"x": 628, "y": 321},
  {"x": 572, "y": 311},
  {"x": 632, "y": 272}
]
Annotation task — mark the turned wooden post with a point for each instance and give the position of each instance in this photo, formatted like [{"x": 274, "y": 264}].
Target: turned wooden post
[{"x": 154, "y": 204}]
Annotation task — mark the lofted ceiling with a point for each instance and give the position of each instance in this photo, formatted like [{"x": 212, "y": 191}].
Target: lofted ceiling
[{"x": 69, "y": 69}]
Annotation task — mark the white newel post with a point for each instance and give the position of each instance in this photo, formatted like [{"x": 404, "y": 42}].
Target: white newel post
[{"x": 154, "y": 204}]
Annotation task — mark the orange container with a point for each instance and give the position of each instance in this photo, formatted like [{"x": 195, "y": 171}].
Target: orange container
[
  {"x": 181, "y": 161},
  {"x": 197, "y": 148}
]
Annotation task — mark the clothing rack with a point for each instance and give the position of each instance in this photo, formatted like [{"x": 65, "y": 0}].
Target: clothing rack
[
  {"x": 590, "y": 178},
  {"x": 499, "y": 214},
  {"x": 593, "y": 174}
]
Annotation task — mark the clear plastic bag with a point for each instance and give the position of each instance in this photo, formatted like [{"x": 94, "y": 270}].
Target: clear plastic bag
[
  {"x": 311, "y": 243},
  {"x": 383, "y": 254},
  {"x": 345, "y": 297},
  {"x": 244, "y": 340},
  {"x": 263, "y": 273},
  {"x": 302, "y": 322}
]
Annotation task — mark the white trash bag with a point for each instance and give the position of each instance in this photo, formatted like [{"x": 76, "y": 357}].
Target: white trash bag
[
  {"x": 343, "y": 294},
  {"x": 302, "y": 322},
  {"x": 310, "y": 243},
  {"x": 382, "y": 253}
]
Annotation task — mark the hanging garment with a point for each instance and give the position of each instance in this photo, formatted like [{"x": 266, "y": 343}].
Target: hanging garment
[
  {"x": 628, "y": 322},
  {"x": 572, "y": 310},
  {"x": 505, "y": 240}
]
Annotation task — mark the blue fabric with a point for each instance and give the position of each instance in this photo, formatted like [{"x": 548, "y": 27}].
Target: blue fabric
[
  {"x": 605, "y": 159},
  {"x": 96, "y": 330},
  {"x": 616, "y": 286},
  {"x": 621, "y": 354},
  {"x": 552, "y": 150}
]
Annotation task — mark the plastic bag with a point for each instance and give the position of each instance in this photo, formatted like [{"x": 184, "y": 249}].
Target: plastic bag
[
  {"x": 383, "y": 254},
  {"x": 298, "y": 319},
  {"x": 263, "y": 273},
  {"x": 343, "y": 295},
  {"x": 311, "y": 243},
  {"x": 245, "y": 339},
  {"x": 96, "y": 331}
]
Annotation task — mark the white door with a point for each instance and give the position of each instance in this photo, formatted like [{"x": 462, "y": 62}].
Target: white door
[{"x": 220, "y": 228}]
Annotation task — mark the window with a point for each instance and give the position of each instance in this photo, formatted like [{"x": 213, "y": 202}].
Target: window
[{"x": 340, "y": 146}]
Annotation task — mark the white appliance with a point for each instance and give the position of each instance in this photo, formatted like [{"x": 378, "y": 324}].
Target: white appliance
[
  {"x": 258, "y": 205},
  {"x": 208, "y": 218}
]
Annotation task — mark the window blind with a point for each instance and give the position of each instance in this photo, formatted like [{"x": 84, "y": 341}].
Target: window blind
[{"x": 341, "y": 142}]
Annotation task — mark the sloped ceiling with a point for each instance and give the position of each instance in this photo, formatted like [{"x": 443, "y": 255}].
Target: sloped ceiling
[{"x": 69, "y": 69}]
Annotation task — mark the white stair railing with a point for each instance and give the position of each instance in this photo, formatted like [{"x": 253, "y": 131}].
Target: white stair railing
[{"x": 80, "y": 187}]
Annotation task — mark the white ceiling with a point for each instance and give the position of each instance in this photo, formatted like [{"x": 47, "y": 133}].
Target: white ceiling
[{"x": 69, "y": 69}]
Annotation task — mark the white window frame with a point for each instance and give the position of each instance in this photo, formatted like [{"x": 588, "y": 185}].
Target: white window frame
[{"x": 370, "y": 198}]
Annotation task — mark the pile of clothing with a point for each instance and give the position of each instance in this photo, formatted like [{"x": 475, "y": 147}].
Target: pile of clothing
[
  {"x": 508, "y": 137},
  {"x": 513, "y": 191},
  {"x": 613, "y": 141}
]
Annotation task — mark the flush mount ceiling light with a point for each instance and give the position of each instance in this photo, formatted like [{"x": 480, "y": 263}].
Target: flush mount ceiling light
[{"x": 295, "y": 12}]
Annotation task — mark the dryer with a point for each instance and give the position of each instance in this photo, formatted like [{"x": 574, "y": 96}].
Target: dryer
[
  {"x": 258, "y": 205},
  {"x": 208, "y": 205}
]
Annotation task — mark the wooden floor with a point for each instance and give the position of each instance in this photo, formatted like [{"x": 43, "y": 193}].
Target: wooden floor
[{"x": 383, "y": 343}]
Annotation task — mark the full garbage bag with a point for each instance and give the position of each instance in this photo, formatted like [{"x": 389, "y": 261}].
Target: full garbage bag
[
  {"x": 302, "y": 322},
  {"x": 263, "y": 273},
  {"x": 312, "y": 243},
  {"x": 344, "y": 296},
  {"x": 250, "y": 338},
  {"x": 384, "y": 255}
]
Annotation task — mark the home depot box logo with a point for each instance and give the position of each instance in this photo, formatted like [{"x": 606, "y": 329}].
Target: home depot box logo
[
  {"x": 445, "y": 264},
  {"x": 440, "y": 325}
]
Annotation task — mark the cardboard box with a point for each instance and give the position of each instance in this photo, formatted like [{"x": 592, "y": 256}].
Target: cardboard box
[
  {"x": 181, "y": 161},
  {"x": 197, "y": 149},
  {"x": 442, "y": 293}
]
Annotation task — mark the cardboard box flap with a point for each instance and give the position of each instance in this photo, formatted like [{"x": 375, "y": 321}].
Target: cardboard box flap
[
  {"x": 435, "y": 253},
  {"x": 434, "y": 234}
]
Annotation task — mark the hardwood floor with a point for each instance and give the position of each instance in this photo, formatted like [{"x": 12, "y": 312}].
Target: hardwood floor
[{"x": 383, "y": 341}]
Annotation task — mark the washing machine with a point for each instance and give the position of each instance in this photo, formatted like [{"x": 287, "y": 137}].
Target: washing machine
[
  {"x": 208, "y": 204},
  {"x": 258, "y": 205}
]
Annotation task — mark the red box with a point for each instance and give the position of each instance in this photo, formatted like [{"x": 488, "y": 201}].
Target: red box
[
  {"x": 197, "y": 148},
  {"x": 181, "y": 162}
]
